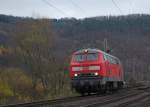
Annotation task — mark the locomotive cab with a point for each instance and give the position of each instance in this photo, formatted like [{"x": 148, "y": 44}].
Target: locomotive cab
[{"x": 85, "y": 70}]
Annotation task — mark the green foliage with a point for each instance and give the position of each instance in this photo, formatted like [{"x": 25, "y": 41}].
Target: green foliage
[
  {"x": 15, "y": 85},
  {"x": 5, "y": 90}
]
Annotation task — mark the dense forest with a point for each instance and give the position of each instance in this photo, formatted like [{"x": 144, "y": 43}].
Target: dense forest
[{"x": 35, "y": 53}]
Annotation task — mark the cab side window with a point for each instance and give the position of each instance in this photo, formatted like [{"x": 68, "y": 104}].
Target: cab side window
[
  {"x": 108, "y": 58},
  {"x": 111, "y": 60},
  {"x": 114, "y": 61},
  {"x": 105, "y": 58},
  {"x": 117, "y": 61}
]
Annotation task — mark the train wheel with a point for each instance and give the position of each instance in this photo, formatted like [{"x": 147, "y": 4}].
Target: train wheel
[
  {"x": 102, "y": 89},
  {"x": 82, "y": 92},
  {"x": 120, "y": 85},
  {"x": 109, "y": 87}
]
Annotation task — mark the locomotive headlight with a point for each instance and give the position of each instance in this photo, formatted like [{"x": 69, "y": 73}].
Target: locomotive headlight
[
  {"x": 75, "y": 75},
  {"x": 96, "y": 73},
  {"x": 94, "y": 67},
  {"x": 76, "y": 68}
]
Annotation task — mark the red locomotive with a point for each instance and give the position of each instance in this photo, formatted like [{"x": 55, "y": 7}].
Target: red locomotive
[{"x": 92, "y": 70}]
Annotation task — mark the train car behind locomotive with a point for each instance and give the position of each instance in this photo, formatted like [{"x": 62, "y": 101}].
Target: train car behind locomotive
[{"x": 92, "y": 70}]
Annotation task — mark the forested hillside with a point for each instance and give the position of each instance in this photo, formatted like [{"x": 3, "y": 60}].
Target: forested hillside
[
  {"x": 38, "y": 52},
  {"x": 128, "y": 37}
]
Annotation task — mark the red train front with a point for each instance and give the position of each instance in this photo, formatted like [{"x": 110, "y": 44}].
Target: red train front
[{"x": 92, "y": 70}]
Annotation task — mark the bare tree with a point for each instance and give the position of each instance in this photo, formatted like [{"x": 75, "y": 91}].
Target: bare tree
[{"x": 33, "y": 45}]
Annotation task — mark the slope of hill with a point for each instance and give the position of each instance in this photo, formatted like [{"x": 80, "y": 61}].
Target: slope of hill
[{"x": 128, "y": 37}]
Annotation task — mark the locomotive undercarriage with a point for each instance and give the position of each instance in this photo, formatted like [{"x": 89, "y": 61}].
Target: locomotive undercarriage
[{"x": 95, "y": 85}]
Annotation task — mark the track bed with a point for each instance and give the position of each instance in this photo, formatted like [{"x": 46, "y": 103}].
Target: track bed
[{"x": 135, "y": 96}]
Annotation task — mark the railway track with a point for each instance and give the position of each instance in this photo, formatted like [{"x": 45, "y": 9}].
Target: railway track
[
  {"x": 47, "y": 102},
  {"x": 123, "y": 101},
  {"x": 65, "y": 101},
  {"x": 121, "y": 98}
]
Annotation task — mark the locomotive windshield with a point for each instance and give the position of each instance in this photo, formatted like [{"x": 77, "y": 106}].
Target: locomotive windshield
[{"x": 85, "y": 57}]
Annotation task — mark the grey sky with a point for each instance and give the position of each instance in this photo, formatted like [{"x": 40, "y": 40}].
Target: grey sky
[{"x": 80, "y": 8}]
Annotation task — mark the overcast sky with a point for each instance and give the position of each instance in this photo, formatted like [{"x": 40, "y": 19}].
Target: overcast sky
[{"x": 73, "y": 8}]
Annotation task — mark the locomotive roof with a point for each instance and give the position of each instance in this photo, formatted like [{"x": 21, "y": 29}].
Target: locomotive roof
[
  {"x": 93, "y": 51},
  {"x": 89, "y": 51}
]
